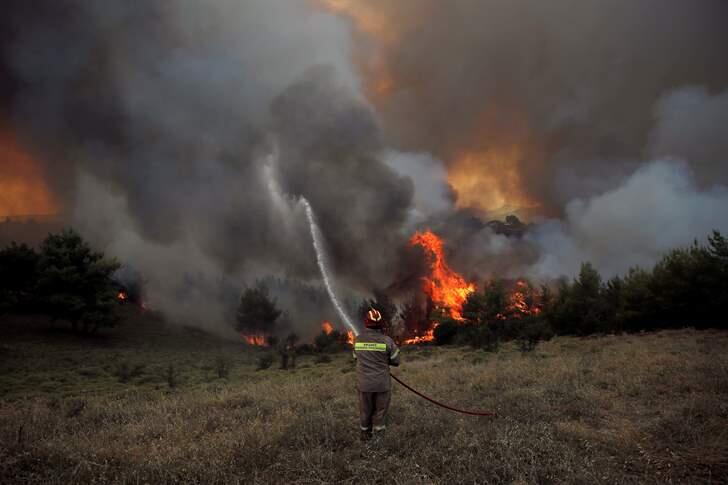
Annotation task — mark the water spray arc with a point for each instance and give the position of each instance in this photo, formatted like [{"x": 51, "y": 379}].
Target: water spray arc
[{"x": 321, "y": 260}]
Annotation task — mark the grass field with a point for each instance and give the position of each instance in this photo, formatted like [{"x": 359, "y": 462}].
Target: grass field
[{"x": 145, "y": 403}]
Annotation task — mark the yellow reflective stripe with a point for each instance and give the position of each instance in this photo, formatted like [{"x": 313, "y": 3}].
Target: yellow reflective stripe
[
  {"x": 370, "y": 346},
  {"x": 395, "y": 354}
]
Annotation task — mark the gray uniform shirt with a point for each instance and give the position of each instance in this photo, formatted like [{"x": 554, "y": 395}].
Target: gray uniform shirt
[{"x": 374, "y": 353}]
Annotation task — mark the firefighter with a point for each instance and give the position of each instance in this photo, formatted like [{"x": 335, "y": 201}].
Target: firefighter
[{"x": 374, "y": 353}]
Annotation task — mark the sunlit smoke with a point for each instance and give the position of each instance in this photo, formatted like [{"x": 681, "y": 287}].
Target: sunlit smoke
[{"x": 23, "y": 189}]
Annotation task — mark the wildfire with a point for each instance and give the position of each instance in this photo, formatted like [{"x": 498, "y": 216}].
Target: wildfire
[
  {"x": 522, "y": 302},
  {"x": 23, "y": 189},
  {"x": 444, "y": 286},
  {"x": 122, "y": 296},
  {"x": 255, "y": 339},
  {"x": 490, "y": 181},
  {"x": 326, "y": 327},
  {"x": 429, "y": 336}
]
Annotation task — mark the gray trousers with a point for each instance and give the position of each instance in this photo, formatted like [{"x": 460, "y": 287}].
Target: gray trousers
[{"x": 373, "y": 407}]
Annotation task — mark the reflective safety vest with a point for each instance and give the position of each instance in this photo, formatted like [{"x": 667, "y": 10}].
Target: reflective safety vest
[{"x": 374, "y": 353}]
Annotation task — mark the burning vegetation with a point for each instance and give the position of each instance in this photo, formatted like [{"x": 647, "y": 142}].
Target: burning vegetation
[
  {"x": 449, "y": 297},
  {"x": 445, "y": 287},
  {"x": 255, "y": 339}
]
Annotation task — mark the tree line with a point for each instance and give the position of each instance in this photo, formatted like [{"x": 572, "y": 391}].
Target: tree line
[
  {"x": 688, "y": 287},
  {"x": 64, "y": 279},
  {"x": 69, "y": 281}
]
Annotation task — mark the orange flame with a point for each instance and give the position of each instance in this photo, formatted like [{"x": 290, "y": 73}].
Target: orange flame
[
  {"x": 445, "y": 287},
  {"x": 350, "y": 337},
  {"x": 122, "y": 296},
  {"x": 326, "y": 327},
  {"x": 490, "y": 181},
  {"x": 522, "y": 302},
  {"x": 255, "y": 339},
  {"x": 23, "y": 190},
  {"x": 429, "y": 336}
]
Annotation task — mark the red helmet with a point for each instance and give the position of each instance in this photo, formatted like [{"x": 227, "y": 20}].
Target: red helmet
[{"x": 373, "y": 319}]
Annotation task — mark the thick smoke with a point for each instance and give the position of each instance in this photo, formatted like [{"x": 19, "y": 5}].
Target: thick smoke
[
  {"x": 557, "y": 110},
  {"x": 179, "y": 134},
  {"x": 536, "y": 103},
  {"x": 658, "y": 208}
]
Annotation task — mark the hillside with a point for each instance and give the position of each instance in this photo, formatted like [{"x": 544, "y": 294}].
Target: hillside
[{"x": 145, "y": 403}]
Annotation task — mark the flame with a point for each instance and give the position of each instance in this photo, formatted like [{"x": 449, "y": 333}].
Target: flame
[
  {"x": 428, "y": 336},
  {"x": 445, "y": 287},
  {"x": 23, "y": 189},
  {"x": 255, "y": 339},
  {"x": 489, "y": 160},
  {"x": 326, "y": 327},
  {"x": 122, "y": 296},
  {"x": 350, "y": 337},
  {"x": 490, "y": 181},
  {"x": 522, "y": 302}
]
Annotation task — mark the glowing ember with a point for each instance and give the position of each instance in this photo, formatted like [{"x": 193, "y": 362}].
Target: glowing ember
[
  {"x": 327, "y": 328},
  {"x": 257, "y": 339},
  {"x": 445, "y": 287},
  {"x": 429, "y": 336},
  {"x": 122, "y": 296}
]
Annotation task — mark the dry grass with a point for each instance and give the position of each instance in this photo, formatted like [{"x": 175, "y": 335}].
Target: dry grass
[{"x": 644, "y": 408}]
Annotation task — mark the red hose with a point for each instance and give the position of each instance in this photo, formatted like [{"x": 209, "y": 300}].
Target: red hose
[{"x": 472, "y": 413}]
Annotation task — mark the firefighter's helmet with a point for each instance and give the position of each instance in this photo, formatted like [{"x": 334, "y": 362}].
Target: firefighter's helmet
[{"x": 373, "y": 319}]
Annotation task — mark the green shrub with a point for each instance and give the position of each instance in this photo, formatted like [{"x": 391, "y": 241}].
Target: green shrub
[
  {"x": 125, "y": 371},
  {"x": 75, "y": 284},
  {"x": 171, "y": 376},
  {"x": 265, "y": 361},
  {"x": 323, "y": 359},
  {"x": 445, "y": 332},
  {"x": 222, "y": 366}
]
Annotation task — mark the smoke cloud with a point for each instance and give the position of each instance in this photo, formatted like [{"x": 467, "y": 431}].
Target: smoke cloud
[
  {"x": 180, "y": 135},
  {"x": 531, "y": 104}
]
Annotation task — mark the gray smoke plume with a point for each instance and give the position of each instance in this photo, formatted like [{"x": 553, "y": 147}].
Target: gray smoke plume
[
  {"x": 176, "y": 131},
  {"x": 572, "y": 83},
  {"x": 594, "y": 93},
  {"x": 179, "y": 134}
]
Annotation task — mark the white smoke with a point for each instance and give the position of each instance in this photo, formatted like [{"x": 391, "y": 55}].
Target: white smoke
[{"x": 657, "y": 208}]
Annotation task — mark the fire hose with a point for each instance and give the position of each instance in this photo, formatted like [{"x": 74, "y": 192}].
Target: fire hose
[{"x": 442, "y": 405}]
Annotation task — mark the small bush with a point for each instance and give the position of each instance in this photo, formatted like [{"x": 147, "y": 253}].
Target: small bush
[
  {"x": 323, "y": 359},
  {"x": 265, "y": 361},
  {"x": 445, "y": 332},
  {"x": 531, "y": 332},
  {"x": 222, "y": 366},
  {"x": 483, "y": 337},
  {"x": 171, "y": 376},
  {"x": 75, "y": 408},
  {"x": 125, "y": 371}
]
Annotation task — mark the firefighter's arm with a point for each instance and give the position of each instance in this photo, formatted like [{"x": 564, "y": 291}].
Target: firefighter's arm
[{"x": 393, "y": 355}]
